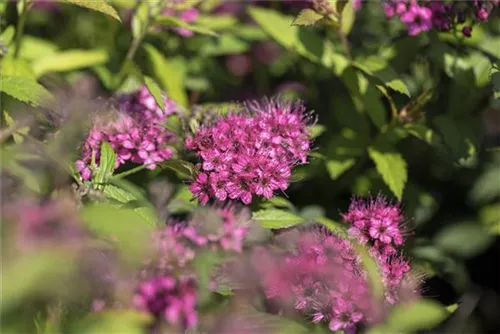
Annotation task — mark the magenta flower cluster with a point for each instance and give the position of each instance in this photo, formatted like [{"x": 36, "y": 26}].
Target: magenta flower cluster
[
  {"x": 377, "y": 224},
  {"x": 168, "y": 297},
  {"x": 251, "y": 152},
  {"x": 443, "y": 16},
  {"x": 136, "y": 133},
  {"x": 322, "y": 278},
  {"x": 166, "y": 288}
]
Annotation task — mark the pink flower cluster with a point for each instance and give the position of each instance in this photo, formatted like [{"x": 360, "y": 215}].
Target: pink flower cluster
[
  {"x": 378, "y": 224},
  {"x": 440, "y": 15},
  {"x": 322, "y": 278},
  {"x": 251, "y": 152},
  {"x": 173, "y": 299},
  {"x": 189, "y": 15},
  {"x": 136, "y": 133},
  {"x": 36, "y": 225}
]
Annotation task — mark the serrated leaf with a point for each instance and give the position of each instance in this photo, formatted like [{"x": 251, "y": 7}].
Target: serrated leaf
[
  {"x": 155, "y": 90},
  {"x": 307, "y": 17},
  {"x": 170, "y": 78},
  {"x": 68, "y": 61},
  {"x": 347, "y": 17},
  {"x": 118, "y": 194},
  {"x": 275, "y": 218},
  {"x": 172, "y": 21},
  {"x": 26, "y": 90},
  {"x": 16, "y": 67},
  {"x": 98, "y": 5},
  {"x": 106, "y": 165},
  {"x": 391, "y": 166}
]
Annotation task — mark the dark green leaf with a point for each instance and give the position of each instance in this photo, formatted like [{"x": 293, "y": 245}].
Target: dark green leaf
[
  {"x": 347, "y": 18},
  {"x": 184, "y": 168},
  {"x": 172, "y": 21},
  {"x": 463, "y": 239},
  {"x": 106, "y": 165}
]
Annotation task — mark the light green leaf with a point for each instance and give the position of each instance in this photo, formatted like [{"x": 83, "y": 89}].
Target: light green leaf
[
  {"x": 172, "y": 21},
  {"x": 184, "y": 168},
  {"x": 226, "y": 44},
  {"x": 124, "y": 227},
  {"x": 204, "y": 264},
  {"x": 380, "y": 69},
  {"x": 155, "y": 90},
  {"x": 217, "y": 22},
  {"x": 391, "y": 166},
  {"x": 98, "y": 5},
  {"x": 34, "y": 48},
  {"x": 275, "y": 218},
  {"x": 7, "y": 35},
  {"x": 316, "y": 130},
  {"x": 118, "y": 194},
  {"x": 338, "y": 166},
  {"x": 114, "y": 321},
  {"x": 16, "y": 67},
  {"x": 372, "y": 270},
  {"x": 106, "y": 166},
  {"x": 26, "y": 90},
  {"x": 490, "y": 218},
  {"x": 347, "y": 18},
  {"x": 452, "y": 308},
  {"x": 19, "y": 134},
  {"x": 68, "y": 61},
  {"x": 278, "y": 202},
  {"x": 463, "y": 239},
  {"x": 170, "y": 77},
  {"x": 333, "y": 226},
  {"x": 410, "y": 318},
  {"x": 424, "y": 133},
  {"x": 307, "y": 17}
]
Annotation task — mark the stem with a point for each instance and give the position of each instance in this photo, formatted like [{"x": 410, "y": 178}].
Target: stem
[
  {"x": 129, "y": 172},
  {"x": 20, "y": 26}
]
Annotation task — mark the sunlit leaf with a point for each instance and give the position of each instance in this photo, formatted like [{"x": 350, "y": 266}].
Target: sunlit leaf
[
  {"x": 98, "y": 5},
  {"x": 26, "y": 90},
  {"x": 155, "y": 90},
  {"x": 391, "y": 166},
  {"x": 307, "y": 17},
  {"x": 69, "y": 60},
  {"x": 275, "y": 218}
]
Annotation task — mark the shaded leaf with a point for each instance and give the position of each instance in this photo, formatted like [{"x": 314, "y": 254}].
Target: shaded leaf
[
  {"x": 275, "y": 218},
  {"x": 347, "y": 17},
  {"x": 172, "y": 21},
  {"x": 98, "y": 5},
  {"x": 184, "y": 168},
  {"x": 463, "y": 239}
]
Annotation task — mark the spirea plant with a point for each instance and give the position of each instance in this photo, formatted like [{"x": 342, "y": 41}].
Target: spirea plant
[{"x": 185, "y": 166}]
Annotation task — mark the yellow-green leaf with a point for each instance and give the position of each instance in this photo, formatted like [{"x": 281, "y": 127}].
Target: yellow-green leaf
[
  {"x": 98, "y": 5},
  {"x": 307, "y": 17},
  {"x": 69, "y": 60},
  {"x": 391, "y": 166},
  {"x": 26, "y": 90}
]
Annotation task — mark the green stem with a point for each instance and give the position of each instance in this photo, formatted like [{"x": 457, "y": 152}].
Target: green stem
[
  {"x": 129, "y": 172},
  {"x": 20, "y": 26}
]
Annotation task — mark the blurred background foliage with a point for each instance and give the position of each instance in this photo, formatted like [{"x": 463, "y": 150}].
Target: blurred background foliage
[{"x": 415, "y": 118}]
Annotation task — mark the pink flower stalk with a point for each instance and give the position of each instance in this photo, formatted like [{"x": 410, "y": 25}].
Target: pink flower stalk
[
  {"x": 169, "y": 298},
  {"x": 250, "y": 153},
  {"x": 136, "y": 134}
]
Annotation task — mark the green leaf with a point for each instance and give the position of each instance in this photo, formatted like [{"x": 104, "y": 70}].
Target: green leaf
[
  {"x": 7, "y": 35},
  {"x": 343, "y": 152},
  {"x": 275, "y": 218},
  {"x": 410, "y": 318},
  {"x": 460, "y": 136},
  {"x": 278, "y": 202},
  {"x": 19, "y": 134},
  {"x": 38, "y": 273},
  {"x": 170, "y": 77},
  {"x": 463, "y": 239},
  {"x": 337, "y": 167},
  {"x": 304, "y": 41},
  {"x": 155, "y": 90},
  {"x": 172, "y": 21},
  {"x": 124, "y": 227},
  {"x": 424, "y": 133},
  {"x": 380, "y": 69},
  {"x": 114, "y": 321},
  {"x": 217, "y": 22},
  {"x": 98, "y": 5},
  {"x": 26, "y": 90},
  {"x": 490, "y": 218},
  {"x": 16, "y": 67},
  {"x": 307, "y": 17},
  {"x": 316, "y": 130},
  {"x": 391, "y": 166},
  {"x": 106, "y": 165},
  {"x": 452, "y": 308},
  {"x": 225, "y": 45},
  {"x": 182, "y": 201},
  {"x": 34, "y": 48},
  {"x": 347, "y": 18},
  {"x": 333, "y": 226},
  {"x": 183, "y": 168},
  {"x": 68, "y": 61},
  {"x": 205, "y": 263},
  {"x": 372, "y": 270}
]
